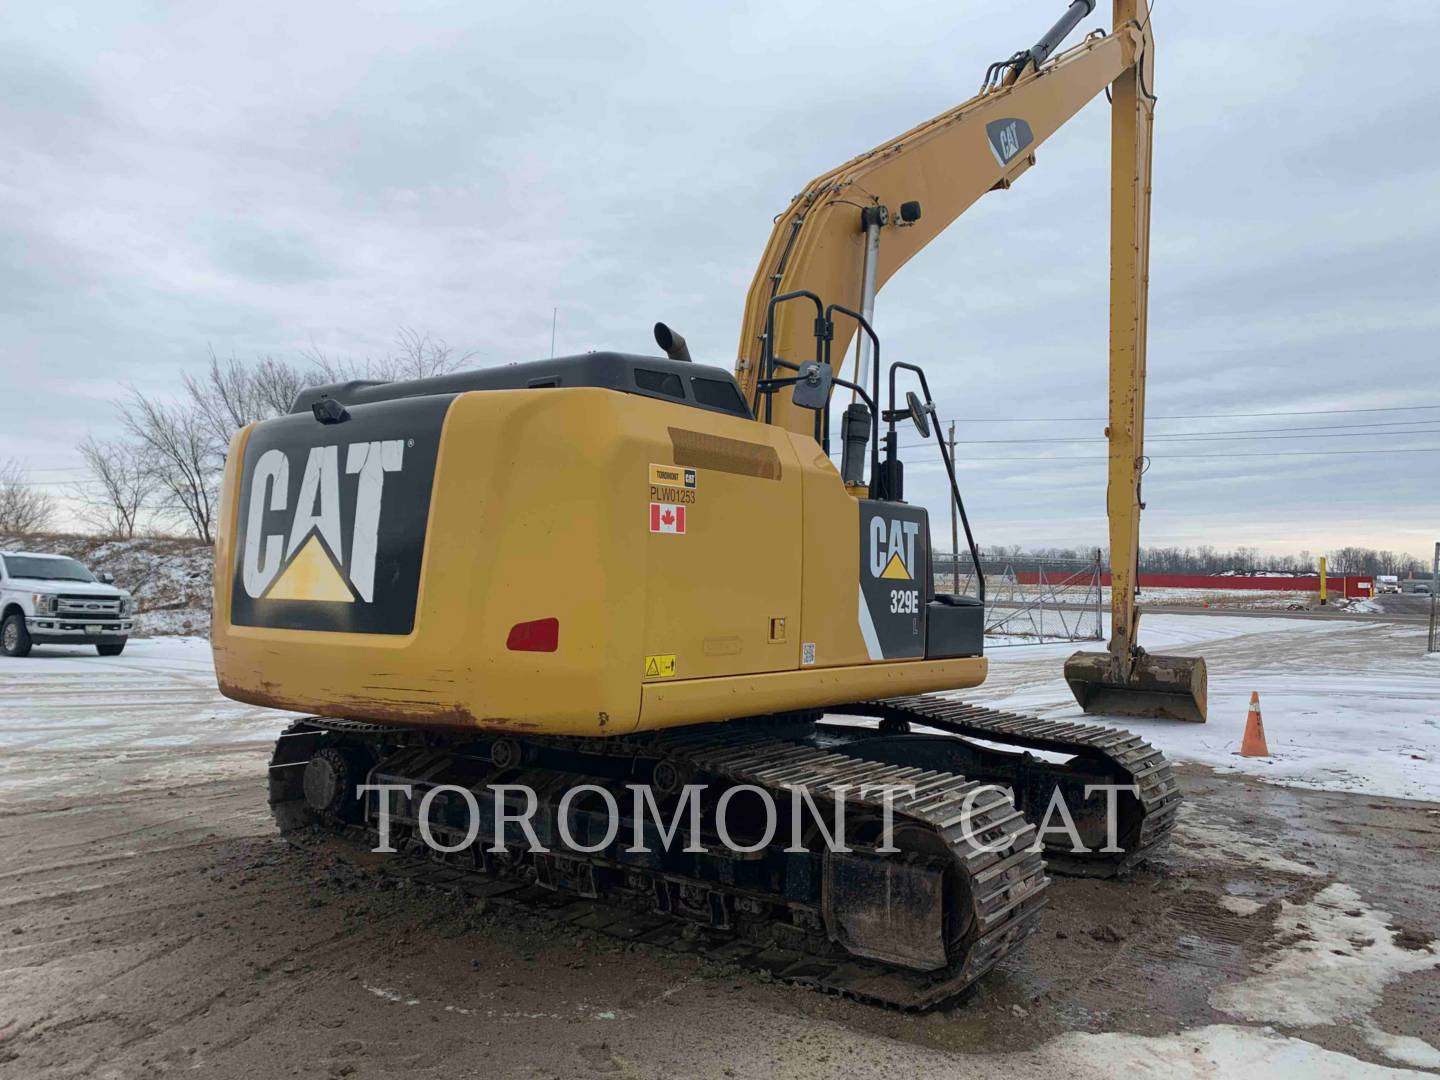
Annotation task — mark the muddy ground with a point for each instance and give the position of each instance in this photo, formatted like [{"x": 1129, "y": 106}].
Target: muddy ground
[
  {"x": 167, "y": 929},
  {"x": 151, "y": 921}
]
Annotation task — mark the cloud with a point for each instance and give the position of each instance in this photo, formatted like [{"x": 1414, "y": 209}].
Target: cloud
[{"x": 267, "y": 178}]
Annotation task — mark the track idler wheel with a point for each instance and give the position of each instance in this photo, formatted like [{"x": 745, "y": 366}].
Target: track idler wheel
[{"x": 331, "y": 776}]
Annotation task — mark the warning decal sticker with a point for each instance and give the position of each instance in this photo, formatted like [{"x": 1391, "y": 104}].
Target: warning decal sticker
[
  {"x": 667, "y": 518},
  {"x": 660, "y": 667}
]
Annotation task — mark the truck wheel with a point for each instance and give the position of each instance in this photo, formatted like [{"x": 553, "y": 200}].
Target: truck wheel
[
  {"x": 110, "y": 650},
  {"x": 14, "y": 638}
]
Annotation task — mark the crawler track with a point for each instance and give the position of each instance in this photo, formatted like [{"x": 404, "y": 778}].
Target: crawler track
[
  {"x": 1097, "y": 755},
  {"x": 907, "y": 929}
]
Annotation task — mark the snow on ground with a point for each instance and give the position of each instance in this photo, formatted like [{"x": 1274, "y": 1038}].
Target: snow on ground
[
  {"x": 71, "y": 720},
  {"x": 1209, "y": 840},
  {"x": 1246, "y": 598},
  {"x": 1335, "y": 958},
  {"x": 1220, "y": 1050},
  {"x": 1404, "y": 1048},
  {"x": 1347, "y": 706}
]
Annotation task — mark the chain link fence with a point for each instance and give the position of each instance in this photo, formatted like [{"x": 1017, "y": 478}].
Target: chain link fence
[{"x": 1031, "y": 601}]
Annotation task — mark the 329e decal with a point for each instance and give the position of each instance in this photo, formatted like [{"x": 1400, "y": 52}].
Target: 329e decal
[{"x": 894, "y": 579}]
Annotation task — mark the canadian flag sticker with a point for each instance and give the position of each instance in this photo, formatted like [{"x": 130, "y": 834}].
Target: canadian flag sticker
[{"x": 667, "y": 518}]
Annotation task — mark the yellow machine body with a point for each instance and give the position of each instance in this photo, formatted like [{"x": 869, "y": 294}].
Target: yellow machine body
[
  {"x": 540, "y": 494},
  {"x": 540, "y": 509}
]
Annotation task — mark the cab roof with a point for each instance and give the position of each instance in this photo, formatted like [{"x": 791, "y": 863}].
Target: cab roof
[{"x": 680, "y": 382}]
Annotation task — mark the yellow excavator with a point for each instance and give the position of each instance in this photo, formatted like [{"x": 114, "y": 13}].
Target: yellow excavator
[{"x": 576, "y": 581}]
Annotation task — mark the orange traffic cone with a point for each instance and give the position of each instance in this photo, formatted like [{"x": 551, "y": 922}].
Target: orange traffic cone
[{"x": 1253, "y": 744}]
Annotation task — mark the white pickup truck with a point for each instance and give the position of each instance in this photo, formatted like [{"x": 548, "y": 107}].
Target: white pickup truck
[{"x": 54, "y": 600}]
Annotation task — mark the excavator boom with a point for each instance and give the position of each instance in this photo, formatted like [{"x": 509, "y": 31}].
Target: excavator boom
[
  {"x": 944, "y": 165},
  {"x": 852, "y": 228}
]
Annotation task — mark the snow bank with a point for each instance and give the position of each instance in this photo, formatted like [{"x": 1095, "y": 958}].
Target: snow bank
[{"x": 168, "y": 576}]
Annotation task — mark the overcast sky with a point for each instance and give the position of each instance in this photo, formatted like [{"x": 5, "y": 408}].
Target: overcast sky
[{"x": 265, "y": 177}]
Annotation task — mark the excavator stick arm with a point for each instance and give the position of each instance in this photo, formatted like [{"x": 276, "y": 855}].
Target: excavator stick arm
[{"x": 1125, "y": 680}]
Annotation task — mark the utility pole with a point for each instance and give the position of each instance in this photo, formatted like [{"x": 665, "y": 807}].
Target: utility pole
[
  {"x": 954, "y": 522},
  {"x": 1433, "y": 645},
  {"x": 554, "y": 314}
]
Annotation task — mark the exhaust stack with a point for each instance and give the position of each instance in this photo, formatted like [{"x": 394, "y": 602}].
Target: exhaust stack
[{"x": 673, "y": 344}]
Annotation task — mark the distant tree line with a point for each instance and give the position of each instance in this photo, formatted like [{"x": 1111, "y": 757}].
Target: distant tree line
[{"x": 1206, "y": 559}]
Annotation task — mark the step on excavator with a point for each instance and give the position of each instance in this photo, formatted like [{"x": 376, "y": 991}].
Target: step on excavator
[{"x": 611, "y": 591}]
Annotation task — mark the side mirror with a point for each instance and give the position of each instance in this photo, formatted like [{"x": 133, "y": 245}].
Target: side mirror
[
  {"x": 812, "y": 385},
  {"x": 107, "y": 579},
  {"x": 918, "y": 413}
]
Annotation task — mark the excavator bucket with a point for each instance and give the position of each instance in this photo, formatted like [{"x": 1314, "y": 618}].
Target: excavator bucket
[{"x": 1162, "y": 687}]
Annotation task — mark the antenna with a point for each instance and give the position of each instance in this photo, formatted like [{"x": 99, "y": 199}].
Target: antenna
[{"x": 554, "y": 314}]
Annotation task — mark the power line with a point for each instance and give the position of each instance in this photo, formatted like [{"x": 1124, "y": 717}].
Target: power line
[
  {"x": 1175, "y": 457},
  {"x": 1189, "y": 416},
  {"x": 1338, "y": 430},
  {"x": 1201, "y": 457},
  {"x": 1215, "y": 437},
  {"x": 1299, "y": 427},
  {"x": 1310, "y": 427}
]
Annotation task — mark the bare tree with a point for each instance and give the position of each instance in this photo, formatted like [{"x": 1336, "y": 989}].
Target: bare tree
[
  {"x": 24, "y": 507},
  {"x": 180, "y": 447},
  {"x": 419, "y": 356},
  {"x": 416, "y": 356},
  {"x": 122, "y": 480},
  {"x": 230, "y": 395}
]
